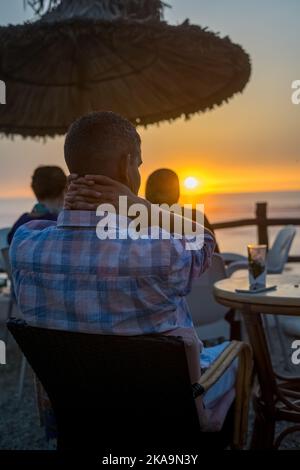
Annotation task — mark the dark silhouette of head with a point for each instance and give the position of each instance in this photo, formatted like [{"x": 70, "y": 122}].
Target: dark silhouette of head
[
  {"x": 104, "y": 143},
  {"x": 162, "y": 187},
  {"x": 48, "y": 184}
]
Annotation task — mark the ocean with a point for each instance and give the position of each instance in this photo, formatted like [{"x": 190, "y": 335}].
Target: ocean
[{"x": 218, "y": 208}]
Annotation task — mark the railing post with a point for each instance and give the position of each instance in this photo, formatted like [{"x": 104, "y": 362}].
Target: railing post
[{"x": 262, "y": 223}]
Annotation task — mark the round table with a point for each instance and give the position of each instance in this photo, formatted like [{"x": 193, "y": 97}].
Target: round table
[{"x": 278, "y": 397}]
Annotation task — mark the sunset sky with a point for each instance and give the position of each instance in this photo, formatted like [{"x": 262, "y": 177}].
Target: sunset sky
[{"x": 250, "y": 144}]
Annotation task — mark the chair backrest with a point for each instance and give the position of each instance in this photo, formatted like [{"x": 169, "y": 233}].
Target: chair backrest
[
  {"x": 108, "y": 390},
  {"x": 203, "y": 306},
  {"x": 3, "y": 244},
  {"x": 279, "y": 252}
]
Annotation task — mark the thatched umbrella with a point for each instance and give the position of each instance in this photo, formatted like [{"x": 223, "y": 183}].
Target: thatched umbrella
[{"x": 118, "y": 55}]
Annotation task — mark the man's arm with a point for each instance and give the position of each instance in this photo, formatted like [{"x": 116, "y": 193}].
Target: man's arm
[{"x": 87, "y": 193}]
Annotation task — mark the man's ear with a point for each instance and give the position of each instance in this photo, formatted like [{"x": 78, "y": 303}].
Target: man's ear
[{"x": 124, "y": 169}]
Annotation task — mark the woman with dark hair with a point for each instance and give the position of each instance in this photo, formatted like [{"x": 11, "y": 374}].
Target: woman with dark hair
[{"x": 162, "y": 187}]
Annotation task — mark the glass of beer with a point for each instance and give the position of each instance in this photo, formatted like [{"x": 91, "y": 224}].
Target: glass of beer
[{"x": 257, "y": 259}]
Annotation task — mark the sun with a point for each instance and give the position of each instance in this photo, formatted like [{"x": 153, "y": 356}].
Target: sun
[{"x": 191, "y": 182}]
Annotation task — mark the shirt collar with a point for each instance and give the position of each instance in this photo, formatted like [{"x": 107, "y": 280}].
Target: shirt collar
[
  {"x": 40, "y": 208},
  {"x": 67, "y": 218}
]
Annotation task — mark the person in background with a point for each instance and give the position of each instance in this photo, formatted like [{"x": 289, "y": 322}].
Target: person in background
[
  {"x": 48, "y": 184},
  {"x": 162, "y": 187}
]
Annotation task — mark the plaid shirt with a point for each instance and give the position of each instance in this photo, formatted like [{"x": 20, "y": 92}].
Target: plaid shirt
[{"x": 66, "y": 278}]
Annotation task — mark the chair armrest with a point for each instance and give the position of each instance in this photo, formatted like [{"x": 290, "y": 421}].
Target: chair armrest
[
  {"x": 232, "y": 257},
  {"x": 217, "y": 369},
  {"x": 236, "y": 266},
  {"x": 243, "y": 352}
]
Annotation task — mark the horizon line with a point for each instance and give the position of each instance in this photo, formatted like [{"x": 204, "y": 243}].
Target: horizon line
[{"x": 186, "y": 195}]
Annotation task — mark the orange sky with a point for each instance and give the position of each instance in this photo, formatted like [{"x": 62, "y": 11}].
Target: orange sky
[{"x": 250, "y": 144}]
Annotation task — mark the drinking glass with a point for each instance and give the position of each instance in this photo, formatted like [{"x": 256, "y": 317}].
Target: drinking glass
[{"x": 257, "y": 259}]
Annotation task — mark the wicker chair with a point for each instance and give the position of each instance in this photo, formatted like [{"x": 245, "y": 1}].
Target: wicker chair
[{"x": 118, "y": 392}]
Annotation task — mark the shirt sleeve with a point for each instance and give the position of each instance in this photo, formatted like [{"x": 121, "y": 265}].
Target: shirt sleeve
[
  {"x": 22, "y": 242},
  {"x": 186, "y": 264}
]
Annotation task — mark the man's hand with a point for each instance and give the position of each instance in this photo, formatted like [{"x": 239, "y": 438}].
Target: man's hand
[{"x": 89, "y": 191}]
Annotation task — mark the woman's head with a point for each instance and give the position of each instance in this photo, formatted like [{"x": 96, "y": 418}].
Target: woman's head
[{"x": 162, "y": 187}]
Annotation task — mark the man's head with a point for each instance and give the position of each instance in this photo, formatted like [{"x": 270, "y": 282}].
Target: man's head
[
  {"x": 49, "y": 184},
  {"x": 104, "y": 143},
  {"x": 162, "y": 187}
]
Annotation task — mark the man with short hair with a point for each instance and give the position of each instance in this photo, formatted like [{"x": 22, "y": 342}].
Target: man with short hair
[{"x": 123, "y": 286}]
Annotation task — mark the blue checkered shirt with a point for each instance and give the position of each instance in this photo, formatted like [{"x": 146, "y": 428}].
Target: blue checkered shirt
[{"x": 65, "y": 277}]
